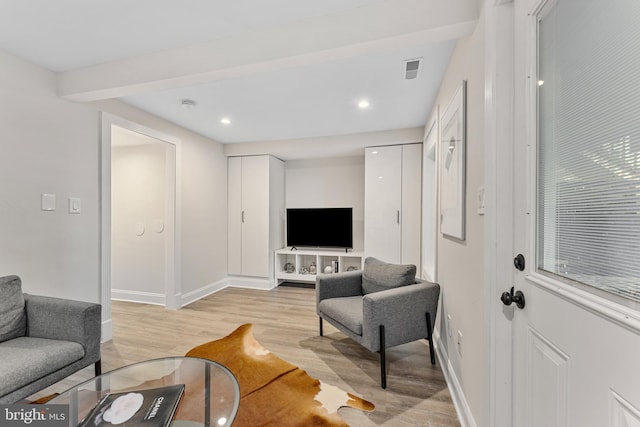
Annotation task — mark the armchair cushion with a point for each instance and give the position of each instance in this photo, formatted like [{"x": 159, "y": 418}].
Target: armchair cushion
[
  {"x": 346, "y": 310},
  {"x": 379, "y": 276},
  {"x": 33, "y": 359},
  {"x": 13, "y": 319}
]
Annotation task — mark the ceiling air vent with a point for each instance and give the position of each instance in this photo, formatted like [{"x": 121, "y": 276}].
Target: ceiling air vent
[{"x": 411, "y": 68}]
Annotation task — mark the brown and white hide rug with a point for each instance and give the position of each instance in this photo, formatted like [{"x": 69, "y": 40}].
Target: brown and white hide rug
[{"x": 274, "y": 392}]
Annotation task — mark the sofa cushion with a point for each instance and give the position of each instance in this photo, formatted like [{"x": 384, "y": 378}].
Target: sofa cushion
[
  {"x": 379, "y": 276},
  {"x": 13, "y": 319},
  {"x": 24, "y": 360},
  {"x": 345, "y": 310}
]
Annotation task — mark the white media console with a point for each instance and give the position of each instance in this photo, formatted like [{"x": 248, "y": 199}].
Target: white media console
[{"x": 302, "y": 259}]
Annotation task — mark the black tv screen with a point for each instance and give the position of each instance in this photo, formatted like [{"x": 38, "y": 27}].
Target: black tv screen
[{"x": 320, "y": 227}]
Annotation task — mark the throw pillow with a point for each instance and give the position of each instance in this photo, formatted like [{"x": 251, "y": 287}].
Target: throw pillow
[
  {"x": 379, "y": 276},
  {"x": 13, "y": 320}
]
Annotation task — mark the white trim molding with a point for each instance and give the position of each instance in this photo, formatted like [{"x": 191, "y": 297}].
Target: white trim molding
[
  {"x": 139, "y": 297},
  {"x": 251, "y": 283},
  {"x": 455, "y": 389},
  {"x": 198, "y": 294}
]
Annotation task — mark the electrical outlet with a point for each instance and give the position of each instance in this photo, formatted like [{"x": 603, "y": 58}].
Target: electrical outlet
[
  {"x": 459, "y": 343},
  {"x": 449, "y": 331}
]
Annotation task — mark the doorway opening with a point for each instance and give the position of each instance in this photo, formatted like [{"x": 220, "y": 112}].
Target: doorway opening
[{"x": 139, "y": 217}]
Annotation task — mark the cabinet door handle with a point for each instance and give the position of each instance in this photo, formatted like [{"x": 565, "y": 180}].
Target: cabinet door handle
[
  {"x": 242, "y": 216},
  {"x": 398, "y": 215}
]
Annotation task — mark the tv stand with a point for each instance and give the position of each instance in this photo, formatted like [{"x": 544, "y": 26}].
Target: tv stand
[{"x": 322, "y": 258}]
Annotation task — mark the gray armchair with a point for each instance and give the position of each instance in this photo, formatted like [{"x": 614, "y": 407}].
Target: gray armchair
[
  {"x": 43, "y": 340},
  {"x": 379, "y": 307}
]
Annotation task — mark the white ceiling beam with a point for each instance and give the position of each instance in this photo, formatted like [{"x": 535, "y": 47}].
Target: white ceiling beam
[
  {"x": 378, "y": 27},
  {"x": 326, "y": 146}
]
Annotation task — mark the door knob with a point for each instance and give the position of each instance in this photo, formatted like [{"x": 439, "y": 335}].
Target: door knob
[{"x": 508, "y": 298}]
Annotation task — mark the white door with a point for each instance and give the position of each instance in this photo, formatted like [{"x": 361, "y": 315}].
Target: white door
[
  {"x": 411, "y": 205},
  {"x": 234, "y": 220},
  {"x": 383, "y": 203},
  {"x": 255, "y": 216},
  {"x": 575, "y": 348}
]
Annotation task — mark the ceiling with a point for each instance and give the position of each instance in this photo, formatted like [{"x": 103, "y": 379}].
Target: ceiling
[{"x": 278, "y": 69}]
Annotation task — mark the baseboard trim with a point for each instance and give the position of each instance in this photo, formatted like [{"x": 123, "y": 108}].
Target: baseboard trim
[
  {"x": 106, "y": 331},
  {"x": 251, "y": 283},
  {"x": 193, "y": 296},
  {"x": 457, "y": 395},
  {"x": 139, "y": 297}
]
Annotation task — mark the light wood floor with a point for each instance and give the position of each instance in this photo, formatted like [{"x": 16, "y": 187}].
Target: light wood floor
[{"x": 285, "y": 322}]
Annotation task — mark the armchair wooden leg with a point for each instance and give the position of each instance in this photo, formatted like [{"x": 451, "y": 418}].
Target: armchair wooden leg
[
  {"x": 320, "y": 325},
  {"x": 98, "y": 368},
  {"x": 430, "y": 339},
  {"x": 383, "y": 359}
]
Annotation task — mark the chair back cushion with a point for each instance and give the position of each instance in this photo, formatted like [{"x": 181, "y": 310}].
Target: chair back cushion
[
  {"x": 379, "y": 276},
  {"x": 13, "y": 319}
]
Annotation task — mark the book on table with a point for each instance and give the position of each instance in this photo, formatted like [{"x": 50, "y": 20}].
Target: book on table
[{"x": 153, "y": 407}]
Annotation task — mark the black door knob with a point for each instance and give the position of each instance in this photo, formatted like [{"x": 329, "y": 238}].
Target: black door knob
[{"x": 508, "y": 298}]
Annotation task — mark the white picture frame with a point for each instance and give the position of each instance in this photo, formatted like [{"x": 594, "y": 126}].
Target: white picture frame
[{"x": 453, "y": 165}]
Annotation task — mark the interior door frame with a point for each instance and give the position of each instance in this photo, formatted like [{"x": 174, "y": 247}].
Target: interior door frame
[
  {"x": 430, "y": 205},
  {"x": 172, "y": 260},
  {"x": 499, "y": 156}
]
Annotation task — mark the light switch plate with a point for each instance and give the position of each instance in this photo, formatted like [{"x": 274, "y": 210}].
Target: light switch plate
[
  {"x": 48, "y": 202},
  {"x": 75, "y": 205},
  {"x": 481, "y": 201}
]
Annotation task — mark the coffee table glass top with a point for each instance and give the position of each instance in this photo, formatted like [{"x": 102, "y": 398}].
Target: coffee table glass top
[{"x": 211, "y": 394}]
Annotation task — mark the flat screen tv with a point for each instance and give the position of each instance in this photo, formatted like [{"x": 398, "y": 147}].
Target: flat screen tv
[{"x": 320, "y": 227}]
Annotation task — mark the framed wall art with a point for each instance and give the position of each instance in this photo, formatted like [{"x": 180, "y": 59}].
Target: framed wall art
[{"x": 453, "y": 165}]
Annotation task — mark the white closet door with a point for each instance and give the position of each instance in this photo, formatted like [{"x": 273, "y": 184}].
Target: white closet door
[
  {"x": 383, "y": 183},
  {"x": 255, "y": 216},
  {"x": 411, "y": 204},
  {"x": 234, "y": 200}
]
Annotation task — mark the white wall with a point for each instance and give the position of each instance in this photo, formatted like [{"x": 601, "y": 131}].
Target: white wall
[
  {"x": 332, "y": 182},
  {"x": 461, "y": 264},
  {"x": 50, "y": 145},
  {"x": 47, "y": 145},
  {"x": 138, "y": 200}
]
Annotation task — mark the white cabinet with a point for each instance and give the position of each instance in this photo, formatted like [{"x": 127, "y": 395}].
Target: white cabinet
[
  {"x": 256, "y": 214},
  {"x": 301, "y": 261},
  {"x": 392, "y": 203}
]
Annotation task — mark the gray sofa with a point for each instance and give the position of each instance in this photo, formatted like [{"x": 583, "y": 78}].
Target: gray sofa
[
  {"x": 43, "y": 340},
  {"x": 381, "y": 306}
]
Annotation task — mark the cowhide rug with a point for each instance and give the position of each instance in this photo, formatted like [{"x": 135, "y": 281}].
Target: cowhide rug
[{"x": 274, "y": 392}]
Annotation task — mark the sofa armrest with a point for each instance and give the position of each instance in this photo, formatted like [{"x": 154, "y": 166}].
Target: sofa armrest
[
  {"x": 345, "y": 284},
  {"x": 64, "y": 319},
  {"x": 402, "y": 312}
]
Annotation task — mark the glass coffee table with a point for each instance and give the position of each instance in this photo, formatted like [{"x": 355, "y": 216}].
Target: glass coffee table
[{"x": 211, "y": 394}]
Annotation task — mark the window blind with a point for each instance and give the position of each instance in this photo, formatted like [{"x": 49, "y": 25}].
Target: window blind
[{"x": 588, "y": 181}]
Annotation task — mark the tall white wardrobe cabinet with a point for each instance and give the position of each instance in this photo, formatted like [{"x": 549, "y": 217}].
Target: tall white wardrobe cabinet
[
  {"x": 256, "y": 218},
  {"x": 392, "y": 203}
]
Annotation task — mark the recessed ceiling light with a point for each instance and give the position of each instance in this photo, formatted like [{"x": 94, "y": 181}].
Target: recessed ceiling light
[
  {"x": 363, "y": 104},
  {"x": 188, "y": 104},
  {"x": 225, "y": 121}
]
